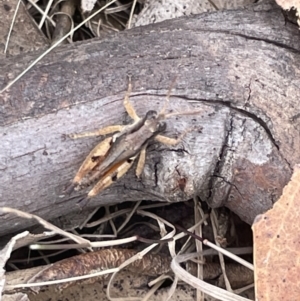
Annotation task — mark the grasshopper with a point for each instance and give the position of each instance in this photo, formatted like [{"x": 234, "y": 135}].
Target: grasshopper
[{"x": 114, "y": 156}]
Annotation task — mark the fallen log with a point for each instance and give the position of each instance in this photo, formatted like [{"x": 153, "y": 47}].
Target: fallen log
[{"x": 238, "y": 70}]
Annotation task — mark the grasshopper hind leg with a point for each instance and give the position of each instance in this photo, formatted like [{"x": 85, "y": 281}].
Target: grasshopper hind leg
[
  {"x": 100, "y": 132},
  {"x": 141, "y": 163},
  {"x": 95, "y": 157},
  {"x": 109, "y": 178}
]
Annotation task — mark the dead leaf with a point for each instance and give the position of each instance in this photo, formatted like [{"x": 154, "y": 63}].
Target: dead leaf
[
  {"x": 18, "y": 241},
  {"x": 277, "y": 247},
  {"x": 15, "y": 297}
]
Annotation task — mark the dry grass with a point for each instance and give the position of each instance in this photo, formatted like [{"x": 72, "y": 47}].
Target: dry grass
[{"x": 175, "y": 246}]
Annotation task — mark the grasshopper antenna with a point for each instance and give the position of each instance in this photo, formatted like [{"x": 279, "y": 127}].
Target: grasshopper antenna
[
  {"x": 162, "y": 113},
  {"x": 83, "y": 202},
  {"x": 69, "y": 189}
]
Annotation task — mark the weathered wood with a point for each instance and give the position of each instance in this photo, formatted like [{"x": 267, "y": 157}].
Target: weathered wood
[
  {"x": 25, "y": 36},
  {"x": 241, "y": 68}
]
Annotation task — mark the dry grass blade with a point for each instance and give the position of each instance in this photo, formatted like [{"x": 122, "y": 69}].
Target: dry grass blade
[
  {"x": 119, "y": 213},
  {"x": 213, "y": 246},
  {"x": 47, "y": 225},
  {"x": 45, "y": 14},
  {"x": 107, "y": 217},
  {"x": 131, "y": 14},
  {"x": 172, "y": 288},
  {"x": 240, "y": 290},
  {"x": 11, "y": 26},
  {"x": 153, "y": 290},
  {"x": 97, "y": 244},
  {"x": 54, "y": 45},
  {"x": 40, "y": 11},
  {"x": 5, "y": 254},
  {"x": 214, "y": 222},
  {"x": 199, "y": 247},
  {"x": 61, "y": 281},
  {"x": 129, "y": 216},
  {"x": 154, "y": 267},
  {"x": 205, "y": 287},
  {"x": 230, "y": 255}
]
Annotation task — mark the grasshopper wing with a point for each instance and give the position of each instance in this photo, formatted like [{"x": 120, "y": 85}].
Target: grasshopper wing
[
  {"x": 95, "y": 158},
  {"x": 111, "y": 176}
]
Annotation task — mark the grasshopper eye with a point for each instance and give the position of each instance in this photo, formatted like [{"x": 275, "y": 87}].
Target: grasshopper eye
[
  {"x": 151, "y": 114},
  {"x": 161, "y": 126}
]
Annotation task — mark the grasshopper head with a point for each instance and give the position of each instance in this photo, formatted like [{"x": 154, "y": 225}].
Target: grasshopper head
[
  {"x": 151, "y": 115},
  {"x": 153, "y": 122}
]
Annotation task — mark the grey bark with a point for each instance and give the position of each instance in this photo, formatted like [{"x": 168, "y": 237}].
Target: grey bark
[{"x": 239, "y": 68}]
